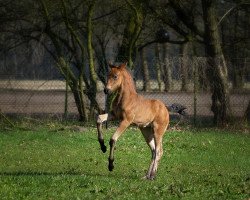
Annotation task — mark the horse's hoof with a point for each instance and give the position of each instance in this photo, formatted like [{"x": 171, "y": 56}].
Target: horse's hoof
[
  {"x": 111, "y": 167},
  {"x": 103, "y": 148},
  {"x": 147, "y": 177},
  {"x": 151, "y": 178}
]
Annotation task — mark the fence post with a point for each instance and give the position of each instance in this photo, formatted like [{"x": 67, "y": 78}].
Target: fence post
[
  {"x": 195, "y": 74},
  {"x": 66, "y": 96}
]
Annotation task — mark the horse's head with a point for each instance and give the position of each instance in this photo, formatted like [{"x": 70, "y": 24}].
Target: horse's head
[{"x": 114, "y": 78}]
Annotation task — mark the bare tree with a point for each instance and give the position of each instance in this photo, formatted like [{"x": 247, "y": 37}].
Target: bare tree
[
  {"x": 217, "y": 71},
  {"x": 132, "y": 30}
]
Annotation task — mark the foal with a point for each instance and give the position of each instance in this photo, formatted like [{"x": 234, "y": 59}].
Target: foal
[{"x": 150, "y": 115}]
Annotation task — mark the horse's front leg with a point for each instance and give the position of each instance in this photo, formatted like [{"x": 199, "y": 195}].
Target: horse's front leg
[
  {"x": 100, "y": 119},
  {"x": 122, "y": 127}
]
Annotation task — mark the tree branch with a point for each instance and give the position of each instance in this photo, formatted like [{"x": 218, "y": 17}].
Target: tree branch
[
  {"x": 230, "y": 10},
  {"x": 185, "y": 18}
]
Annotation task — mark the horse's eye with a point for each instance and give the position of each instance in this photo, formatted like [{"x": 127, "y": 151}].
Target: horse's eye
[{"x": 115, "y": 77}]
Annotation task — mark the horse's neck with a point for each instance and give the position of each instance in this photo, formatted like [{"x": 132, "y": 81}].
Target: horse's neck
[{"x": 126, "y": 94}]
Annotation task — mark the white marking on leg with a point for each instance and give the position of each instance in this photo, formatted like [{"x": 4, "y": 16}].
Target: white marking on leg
[
  {"x": 152, "y": 147},
  {"x": 158, "y": 154},
  {"x": 102, "y": 118}
]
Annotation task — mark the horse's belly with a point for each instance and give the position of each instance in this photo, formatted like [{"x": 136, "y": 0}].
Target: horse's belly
[{"x": 143, "y": 123}]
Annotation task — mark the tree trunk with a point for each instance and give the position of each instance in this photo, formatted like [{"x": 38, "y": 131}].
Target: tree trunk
[
  {"x": 236, "y": 65},
  {"x": 217, "y": 69},
  {"x": 166, "y": 68},
  {"x": 92, "y": 90},
  {"x": 127, "y": 49},
  {"x": 131, "y": 33},
  {"x": 247, "y": 113},
  {"x": 73, "y": 84},
  {"x": 145, "y": 71},
  {"x": 82, "y": 99}
]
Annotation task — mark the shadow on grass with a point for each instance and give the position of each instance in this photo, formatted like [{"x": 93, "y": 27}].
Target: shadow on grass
[
  {"x": 30, "y": 173},
  {"x": 23, "y": 173}
]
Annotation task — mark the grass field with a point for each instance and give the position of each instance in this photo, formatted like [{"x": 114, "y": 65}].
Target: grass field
[{"x": 51, "y": 161}]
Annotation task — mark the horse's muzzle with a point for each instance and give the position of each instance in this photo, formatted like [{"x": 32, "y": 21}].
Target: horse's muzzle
[{"x": 107, "y": 91}]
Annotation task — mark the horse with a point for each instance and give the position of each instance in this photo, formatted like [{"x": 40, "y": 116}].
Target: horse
[{"x": 150, "y": 115}]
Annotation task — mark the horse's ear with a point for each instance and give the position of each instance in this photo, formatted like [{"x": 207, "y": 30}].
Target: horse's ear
[
  {"x": 111, "y": 65},
  {"x": 123, "y": 65}
]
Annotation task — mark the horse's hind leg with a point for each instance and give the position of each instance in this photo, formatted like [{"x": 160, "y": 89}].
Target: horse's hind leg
[
  {"x": 149, "y": 137},
  {"x": 158, "y": 136},
  {"x": 158, "y": 155}
]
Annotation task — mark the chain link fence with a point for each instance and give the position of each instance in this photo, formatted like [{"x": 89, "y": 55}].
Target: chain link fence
[{"x": 172, "y": 80}]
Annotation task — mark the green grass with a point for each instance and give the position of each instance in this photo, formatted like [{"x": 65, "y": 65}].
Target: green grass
[{"x": 51, "y": 162}]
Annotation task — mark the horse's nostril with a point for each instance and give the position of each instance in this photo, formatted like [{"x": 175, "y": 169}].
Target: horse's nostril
[{"x": 106, "y": 91}]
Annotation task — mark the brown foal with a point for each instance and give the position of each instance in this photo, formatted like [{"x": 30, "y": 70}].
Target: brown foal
[{"x": 150, "y": 115}]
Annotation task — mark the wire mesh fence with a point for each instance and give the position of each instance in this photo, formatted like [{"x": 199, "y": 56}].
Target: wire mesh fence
[{"x": 172, "y": 80}]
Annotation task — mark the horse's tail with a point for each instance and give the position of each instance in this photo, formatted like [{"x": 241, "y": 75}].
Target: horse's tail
[{"x": 177, "y": 108}]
